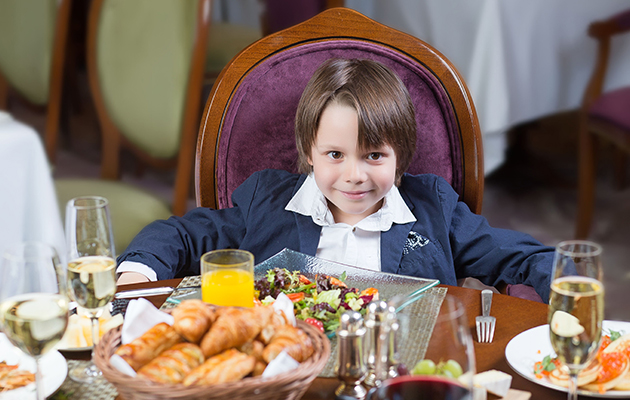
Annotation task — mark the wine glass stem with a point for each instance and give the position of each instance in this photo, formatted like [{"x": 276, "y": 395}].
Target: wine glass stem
[
  {"x": 573, "y": 385},
  {"x": 95, "y": 330},
  {"x": 39, "y": 383}
]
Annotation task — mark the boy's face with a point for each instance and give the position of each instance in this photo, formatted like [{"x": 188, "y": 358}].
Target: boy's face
[{"x": 353, "y": 180}]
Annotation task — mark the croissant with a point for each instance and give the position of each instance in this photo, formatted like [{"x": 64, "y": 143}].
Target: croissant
[
  {"x": 275, "y": 319},
  {"x": 148, "y": 346},
  {"x": 253, "y": 348},
  {"x": 229, "y": 366},
  {"x": 174, "y": 364},
  {"x": 233, "y": 328},
  {"x": 192, "y": 319},
  {"x": 297, "y": 344}
]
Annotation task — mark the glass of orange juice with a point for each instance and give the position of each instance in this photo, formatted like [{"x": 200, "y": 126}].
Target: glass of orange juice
[{"x": 227, "y": 278}]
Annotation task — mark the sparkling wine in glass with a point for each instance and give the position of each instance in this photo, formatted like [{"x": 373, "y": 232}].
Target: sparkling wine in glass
[
  {"x": 576, "y": 306},
  {"x": 33, "y": 301},
  {"x": 91, "y": 265},
  {"x": 448, "y": 367}
]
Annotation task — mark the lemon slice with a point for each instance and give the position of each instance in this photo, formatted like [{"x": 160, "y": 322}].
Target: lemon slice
[{"x": 565, "y": 325}]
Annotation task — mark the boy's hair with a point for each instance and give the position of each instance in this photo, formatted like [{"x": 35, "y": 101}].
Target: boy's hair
[{"x": 381, "y": 100}]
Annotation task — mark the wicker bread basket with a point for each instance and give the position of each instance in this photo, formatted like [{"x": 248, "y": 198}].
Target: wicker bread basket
[{"x": 289, "y": 385}]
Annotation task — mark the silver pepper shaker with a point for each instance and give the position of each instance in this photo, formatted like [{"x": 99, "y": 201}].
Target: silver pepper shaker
[
  {"x": 377, "y": 325},
  {"x": 351, "y": 369}
]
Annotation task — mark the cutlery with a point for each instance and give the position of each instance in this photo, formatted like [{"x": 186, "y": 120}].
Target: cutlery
[
  {"x": 144, "y": 292},
  {"x": 485, "y": 323}
]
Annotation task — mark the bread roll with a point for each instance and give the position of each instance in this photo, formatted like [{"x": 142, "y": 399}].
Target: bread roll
[
  {"x": 229, "y": 366},
  {"x": 233, "y": 328},
  {"x": 174, "y": 364},
  {"x": 193, "y": 318},
  {"x": 287, "y": 337},
  {"x": 148, "y": 346}
]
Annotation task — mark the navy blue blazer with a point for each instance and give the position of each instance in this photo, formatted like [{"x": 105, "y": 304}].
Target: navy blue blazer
[{"x": 447, "y": 242}]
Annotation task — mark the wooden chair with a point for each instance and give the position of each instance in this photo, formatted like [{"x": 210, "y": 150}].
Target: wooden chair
[
  {"x": 145, "y": 69},
  {"x": 603, "y": 116},
  {"x": 248, "y": 120},
  {"x": 32, "y": 56}
]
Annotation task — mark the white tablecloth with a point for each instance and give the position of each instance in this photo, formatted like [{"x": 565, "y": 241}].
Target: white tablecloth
[
  {"x": 521, "y": 59},
  {"x": 28, "y": 205}
]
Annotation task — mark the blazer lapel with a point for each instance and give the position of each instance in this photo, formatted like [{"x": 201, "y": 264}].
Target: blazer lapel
[
  {"x": 392, "y": 243},
  {"x": 308, "y": 231}
]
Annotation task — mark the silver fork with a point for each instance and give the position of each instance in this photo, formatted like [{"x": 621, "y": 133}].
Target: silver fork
[{"x": 485, "y": 323}]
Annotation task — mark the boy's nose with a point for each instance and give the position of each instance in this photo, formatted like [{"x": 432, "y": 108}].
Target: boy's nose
[{"x": 355, "y": 172}]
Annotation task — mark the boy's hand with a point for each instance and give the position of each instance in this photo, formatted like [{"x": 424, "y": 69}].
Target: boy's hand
[{"x": 127, "y": 278}]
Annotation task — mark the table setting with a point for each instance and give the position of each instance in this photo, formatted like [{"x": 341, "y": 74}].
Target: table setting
[{"x": 392, "y": 339}]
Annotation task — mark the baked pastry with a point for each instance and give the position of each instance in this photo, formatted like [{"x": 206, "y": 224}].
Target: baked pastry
[
  {"x": 269, "y": 329},
  {"x": 287, "y": 337},
  {"x": 193, "y": 318},
  {"x": 229, "y": 366},
  {"x": 174, "y": 364},
  {"x": 148, "y": 346},
  {"x": 233, "y": 328}
]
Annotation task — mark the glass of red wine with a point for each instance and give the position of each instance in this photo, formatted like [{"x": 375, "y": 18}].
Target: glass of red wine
[{"x": 447, "y": 369}]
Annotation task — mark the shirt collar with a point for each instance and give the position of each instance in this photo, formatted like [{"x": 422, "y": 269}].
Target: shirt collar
[{"x": 310, "y": 201}]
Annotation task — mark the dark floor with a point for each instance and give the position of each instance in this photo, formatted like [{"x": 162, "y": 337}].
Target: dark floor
[{"x": 534, "y": 191}]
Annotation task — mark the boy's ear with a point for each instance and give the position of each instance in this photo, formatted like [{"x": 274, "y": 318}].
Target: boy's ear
[{"x": 309, "y": 161}]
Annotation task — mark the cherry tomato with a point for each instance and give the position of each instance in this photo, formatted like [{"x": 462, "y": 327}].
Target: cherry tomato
[
  {"x": 316, "y": 323},
  {"x": 304, "y": 280},
  {"x": 295, "y": 297}
]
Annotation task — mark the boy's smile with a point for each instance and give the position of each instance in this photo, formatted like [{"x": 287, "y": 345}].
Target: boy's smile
[{"x": 353, "y": 180}]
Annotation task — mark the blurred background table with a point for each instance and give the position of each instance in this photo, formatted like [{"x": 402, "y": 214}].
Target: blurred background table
[
  {"x": 488, "y": 355},
  {"x": 28, "y": 205}
]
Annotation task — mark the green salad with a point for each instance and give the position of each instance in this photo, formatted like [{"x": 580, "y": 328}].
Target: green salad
[{"x": 320, "y": 301}]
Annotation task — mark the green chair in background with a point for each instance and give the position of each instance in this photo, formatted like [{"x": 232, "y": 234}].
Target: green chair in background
[
  {"x": 145, "y": 61},
  {"x": 32, "y": 56}
]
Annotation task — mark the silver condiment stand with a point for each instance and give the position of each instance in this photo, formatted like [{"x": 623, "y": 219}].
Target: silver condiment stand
[{"x": 351, "y": 368}]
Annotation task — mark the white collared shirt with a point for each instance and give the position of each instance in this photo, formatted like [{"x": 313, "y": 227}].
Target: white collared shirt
[{"x": 357, "y": 245}]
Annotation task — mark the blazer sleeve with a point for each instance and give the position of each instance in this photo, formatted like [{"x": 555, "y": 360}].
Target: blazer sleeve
[
  {"x": 173, "y": 247},
  {"x": 494, "y": 255}
]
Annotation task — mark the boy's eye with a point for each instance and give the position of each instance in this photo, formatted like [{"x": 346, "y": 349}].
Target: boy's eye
[
  {"x": 336, "y": 155},
  {"x": 375, "y": 156}
]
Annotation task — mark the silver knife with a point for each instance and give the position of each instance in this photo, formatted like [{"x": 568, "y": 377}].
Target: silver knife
[{"x": 144, "y": 292}]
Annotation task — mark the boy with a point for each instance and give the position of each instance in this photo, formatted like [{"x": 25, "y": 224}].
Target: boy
[{"x": 356, "y": 135}]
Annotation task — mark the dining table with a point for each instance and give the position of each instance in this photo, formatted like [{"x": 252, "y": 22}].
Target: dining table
[{"x": 513, "y": 316}]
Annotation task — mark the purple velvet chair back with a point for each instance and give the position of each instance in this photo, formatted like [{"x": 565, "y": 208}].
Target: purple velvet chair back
[
  {"x": 248, "y": 123},
  {"x": 258, "y": 131}
]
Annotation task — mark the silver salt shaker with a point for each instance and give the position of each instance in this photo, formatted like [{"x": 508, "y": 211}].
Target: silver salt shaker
[
  {"x": 351, "y": 369},
  {"x": 378, "y": 325}
]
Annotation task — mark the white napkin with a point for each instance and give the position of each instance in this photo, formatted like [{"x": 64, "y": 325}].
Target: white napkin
[
  {"x": 141, "y": 315},
  {"x": 284, "y": 304},
  {"x": 283, "y": 363}
]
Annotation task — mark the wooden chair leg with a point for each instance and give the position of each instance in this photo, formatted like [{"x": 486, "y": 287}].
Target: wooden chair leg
[
  {"x": 4, "y": 93},
  {"x": 619, "y": 159},
  {"x": 586, "y": 183}
]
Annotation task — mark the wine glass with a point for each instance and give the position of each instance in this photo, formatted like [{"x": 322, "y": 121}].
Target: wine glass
[
  {"x": 448, "y": 367},
  {"x": 33, "y": 301},
  {"x": 91, "y": 266},
  {"x": 576, "y": 306}
]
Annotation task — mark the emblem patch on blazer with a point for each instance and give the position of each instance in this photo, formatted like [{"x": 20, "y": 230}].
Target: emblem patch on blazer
[{"x": 414, "y": 240}]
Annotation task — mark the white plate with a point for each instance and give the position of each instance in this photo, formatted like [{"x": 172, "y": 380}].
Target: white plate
[
  {"x": 53, "y": 368},
  {"x": 531, "y": 346}
]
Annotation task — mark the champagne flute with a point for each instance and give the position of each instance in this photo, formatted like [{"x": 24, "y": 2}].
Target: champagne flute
[
  {"x": 448, "y": 367},
  {"x": 576, "y": 306},
  {"x": 91, "y": 266},
  {"x": 33, "y": 301}
]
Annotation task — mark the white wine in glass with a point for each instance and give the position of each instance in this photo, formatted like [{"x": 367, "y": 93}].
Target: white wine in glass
[
  {"x": 33, "y": 301},
  {"x": 91, "y": 265},
  {"x": 576, "y": 306}
]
